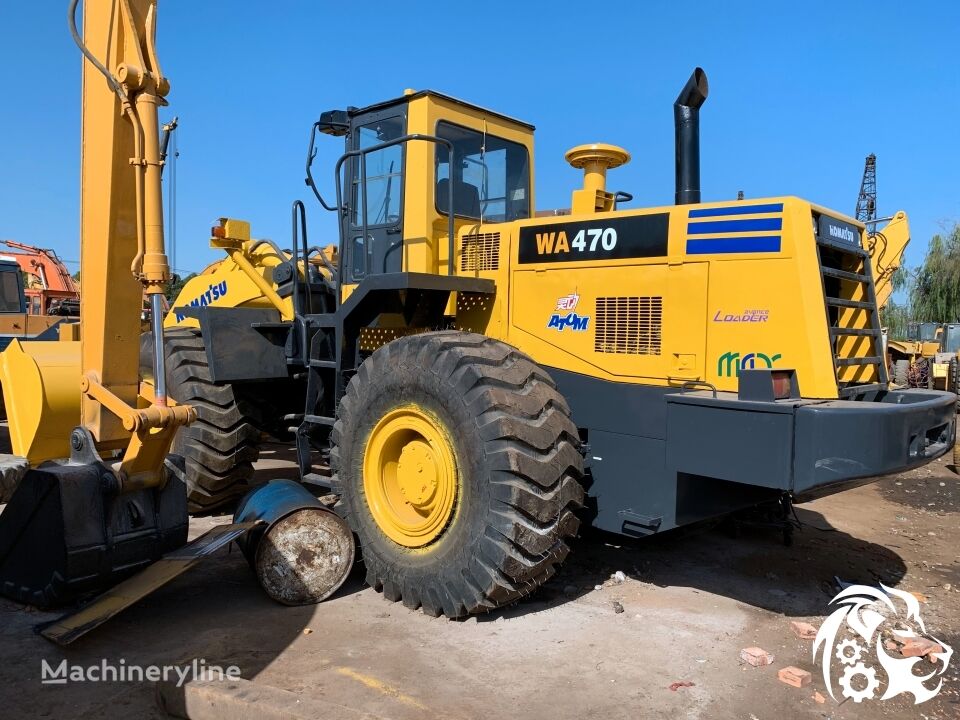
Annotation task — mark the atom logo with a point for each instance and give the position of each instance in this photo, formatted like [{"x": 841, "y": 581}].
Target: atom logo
[{"x": 851, "y": 637}]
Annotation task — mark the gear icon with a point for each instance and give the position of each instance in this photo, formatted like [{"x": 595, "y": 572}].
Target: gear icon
[
  {"x": 852, "y": 671},
  {"x": 854, "y": 656}
]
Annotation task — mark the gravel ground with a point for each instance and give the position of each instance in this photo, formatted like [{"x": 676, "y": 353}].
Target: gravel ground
[{"x": 690, "y": 602}]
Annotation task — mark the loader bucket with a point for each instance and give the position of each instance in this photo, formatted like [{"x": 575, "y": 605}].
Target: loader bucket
[
  {"x": 68, "y": 531},
  {"x": 41, "y": 391}
]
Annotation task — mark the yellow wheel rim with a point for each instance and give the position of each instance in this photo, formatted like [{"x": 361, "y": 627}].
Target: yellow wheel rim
[{"x": 410, "y": 476}]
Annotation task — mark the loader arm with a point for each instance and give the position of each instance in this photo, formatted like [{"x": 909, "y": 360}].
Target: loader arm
[{"x": 886, "y": 247}]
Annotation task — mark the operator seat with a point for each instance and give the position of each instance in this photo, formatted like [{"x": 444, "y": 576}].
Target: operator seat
[{"x": 466, "y": 197}]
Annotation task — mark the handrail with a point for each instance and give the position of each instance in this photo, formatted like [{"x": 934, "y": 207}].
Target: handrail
[
  {"x": 311, "y": 154},
  {"x": 299, "y": 212}
]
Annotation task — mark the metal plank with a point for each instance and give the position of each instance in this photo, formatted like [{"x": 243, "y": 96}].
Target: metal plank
[{"x": 72, "y": 626}]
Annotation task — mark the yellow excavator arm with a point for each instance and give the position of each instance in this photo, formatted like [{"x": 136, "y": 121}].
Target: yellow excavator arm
[
  {"x": 70, "y": 528},
  {"x": 94, "y": 381},
  {"x": 886, "y": 247}
]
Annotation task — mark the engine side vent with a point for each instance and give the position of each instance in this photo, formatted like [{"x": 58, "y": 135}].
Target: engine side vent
[
  {"x": 629, "y": 325},
  {"x": 480, "y": 251}
]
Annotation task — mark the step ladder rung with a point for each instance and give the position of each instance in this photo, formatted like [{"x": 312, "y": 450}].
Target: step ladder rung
[
  {"x": 843, "y": 247},
  {"x": 869, "y": 360},
  {"x": 320, "y": 420},
  {"x": 857, "y": 304},
  {"x": 858, "y": 332},
  {"x": 845, "y": 274}
]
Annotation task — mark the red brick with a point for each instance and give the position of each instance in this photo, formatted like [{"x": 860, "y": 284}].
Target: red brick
[
  {"x": 919, "y": 646},
  {"x": 803, "y": 630},
  {"x": 758, "y": 657},
  {"x": 794, "y": 676}
]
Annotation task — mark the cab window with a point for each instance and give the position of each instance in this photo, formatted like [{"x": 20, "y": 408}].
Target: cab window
[
  {"x": 951, "y": 340},
  {"x": 491, "y": 176},
  {"x": 10, "y": 294}
]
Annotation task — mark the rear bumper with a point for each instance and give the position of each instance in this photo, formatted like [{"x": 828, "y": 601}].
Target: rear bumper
[
  {"x": 807, "y": 447},
  {"x": 844, "y": 440}
]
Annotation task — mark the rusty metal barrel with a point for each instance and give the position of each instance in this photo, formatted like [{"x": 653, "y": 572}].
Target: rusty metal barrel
[{"x": 302, "y": 552}]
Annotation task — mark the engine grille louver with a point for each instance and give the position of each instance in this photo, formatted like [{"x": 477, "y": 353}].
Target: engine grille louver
[
  {"x": 480, "y": 251},
  {"x": 628, "y": 325}
]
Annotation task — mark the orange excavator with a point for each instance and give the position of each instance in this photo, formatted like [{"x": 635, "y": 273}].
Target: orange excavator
[{"x": 49, "y": 290}]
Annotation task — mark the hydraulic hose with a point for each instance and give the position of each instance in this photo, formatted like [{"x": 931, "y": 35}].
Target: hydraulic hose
[{"x": 139, "y": 161}]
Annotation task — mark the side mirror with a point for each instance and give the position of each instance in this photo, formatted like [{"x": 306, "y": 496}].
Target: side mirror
[{"x": 334, "y": 122}]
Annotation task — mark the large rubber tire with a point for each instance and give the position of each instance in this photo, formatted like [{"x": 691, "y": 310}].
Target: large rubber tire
[
  {"x": 518, "y": 465},
  {"x": 901, "y": 372},
  {"x": 222, "y": 444}
]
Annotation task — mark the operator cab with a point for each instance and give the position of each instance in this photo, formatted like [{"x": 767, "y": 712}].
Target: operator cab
[
  {"x": 397, "y": 182},
  {"x": 950, "y": 339}
]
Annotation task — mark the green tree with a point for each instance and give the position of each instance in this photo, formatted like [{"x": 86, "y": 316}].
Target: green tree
[
  {"x": 174, "y": 288},
  {"x": 894, "y": 316},
  {"x": 935, "y": 290}
]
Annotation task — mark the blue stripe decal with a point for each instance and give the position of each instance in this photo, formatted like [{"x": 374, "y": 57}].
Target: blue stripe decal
[
  {"x": 738, "y": 210},
  {"x": 734, "y": 226},
  {"x": 710, "y": 246}
]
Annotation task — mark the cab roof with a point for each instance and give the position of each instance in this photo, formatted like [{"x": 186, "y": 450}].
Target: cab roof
[{"x": 353, "y": 111}]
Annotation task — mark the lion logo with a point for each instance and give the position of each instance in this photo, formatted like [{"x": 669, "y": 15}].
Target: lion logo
[{"x": 854, "y": 629}]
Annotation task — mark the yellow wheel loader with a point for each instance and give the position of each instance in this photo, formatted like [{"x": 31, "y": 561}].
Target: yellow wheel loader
[
  {"x": 912, "y": 358},
  {"x": 472, "y": 380},
  {"x": 477, "y": 380}
]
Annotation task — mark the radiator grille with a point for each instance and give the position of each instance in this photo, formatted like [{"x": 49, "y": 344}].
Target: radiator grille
[
  {"x": 480, "y": 251},
  {"x": 628, "y": 325}
]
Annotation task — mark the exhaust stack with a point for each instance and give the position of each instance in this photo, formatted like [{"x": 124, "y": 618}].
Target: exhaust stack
[{"x": 686, "y": 126}]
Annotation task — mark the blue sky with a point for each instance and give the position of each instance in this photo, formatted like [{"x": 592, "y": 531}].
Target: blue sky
[{"x": 800, "y": 93}]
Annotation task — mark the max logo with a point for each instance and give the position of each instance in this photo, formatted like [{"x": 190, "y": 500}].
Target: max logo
[
  {"x": 214, "y": 292},
  {"x": 730, "y": 364},
  {"x": 577, "y": 323}
]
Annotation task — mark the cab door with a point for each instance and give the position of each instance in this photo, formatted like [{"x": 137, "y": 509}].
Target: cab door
[{"x": 372, "y": 226}]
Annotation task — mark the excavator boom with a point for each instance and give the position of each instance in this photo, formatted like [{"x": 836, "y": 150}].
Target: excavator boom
[
  {"x": 886, "y": 247},
  {"x": 52, "y": 284},
  {"x": 116, "y": 505}
]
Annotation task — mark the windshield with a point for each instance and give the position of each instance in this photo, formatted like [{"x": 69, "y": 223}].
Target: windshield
[
  {"x": 491, "y": 177},
  {"x": 928, "y": 332}
]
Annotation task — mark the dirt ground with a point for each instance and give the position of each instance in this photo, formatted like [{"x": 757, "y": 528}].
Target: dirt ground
[{"x": 691, "y": 601}]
